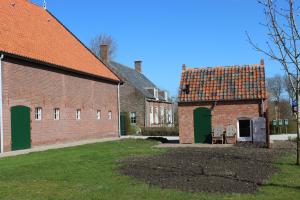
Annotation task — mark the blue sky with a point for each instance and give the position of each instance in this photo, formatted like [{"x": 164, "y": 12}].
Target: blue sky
[{"x": 165, "y": 34}]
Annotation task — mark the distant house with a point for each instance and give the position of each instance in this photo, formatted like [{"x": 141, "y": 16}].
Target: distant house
[
  {"x": 147, "y": 105},
  {"x": 52, "y": 88},
  {"x": 233, "y": 95}
]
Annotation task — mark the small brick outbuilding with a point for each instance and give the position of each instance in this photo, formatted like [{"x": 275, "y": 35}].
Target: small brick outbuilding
[{"x": 231, "y": 95}]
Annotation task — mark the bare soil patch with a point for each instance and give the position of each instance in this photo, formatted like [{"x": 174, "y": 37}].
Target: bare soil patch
[{"x": 223, "y": 170}]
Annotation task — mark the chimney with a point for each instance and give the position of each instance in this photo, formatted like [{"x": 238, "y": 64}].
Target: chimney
[
  {"x": 262, "y": 62},
  {"x": 183, "y": 67},
  {"x": 104, "y": 52},
  {"x": 138, "y": 66}
]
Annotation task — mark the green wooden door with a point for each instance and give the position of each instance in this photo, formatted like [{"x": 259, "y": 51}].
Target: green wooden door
[
  {"x": 202, "y": 125},
  {"x": 123, "y": 123},
  {"x": 20, "y": 128}
]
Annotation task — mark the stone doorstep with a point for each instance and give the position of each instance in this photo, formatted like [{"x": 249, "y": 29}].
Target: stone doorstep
[{"x": 55, "y": 146}]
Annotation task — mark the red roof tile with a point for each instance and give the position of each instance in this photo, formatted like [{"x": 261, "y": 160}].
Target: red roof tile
[
  {"x": 245, "y": 82},
  {"x": 30, "y": 31}
]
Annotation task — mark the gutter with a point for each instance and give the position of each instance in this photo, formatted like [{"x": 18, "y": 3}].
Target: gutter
[{"x": 1, "y": 107}]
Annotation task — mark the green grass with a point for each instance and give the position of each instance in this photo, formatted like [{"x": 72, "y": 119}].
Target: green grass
[{"x": 89, "y": 172}]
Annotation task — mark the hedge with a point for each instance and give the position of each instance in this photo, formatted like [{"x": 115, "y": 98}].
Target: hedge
[{"x": 160, "y": 131}]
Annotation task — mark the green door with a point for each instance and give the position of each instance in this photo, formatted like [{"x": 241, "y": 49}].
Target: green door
[
  {"x": 202, "y": 125},
  {"x": 20, "y": 128},
  {"x": 123, "y": 123}
]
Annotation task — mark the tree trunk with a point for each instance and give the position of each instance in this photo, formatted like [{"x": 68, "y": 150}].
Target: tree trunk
[{"x": 298, "y": 128}]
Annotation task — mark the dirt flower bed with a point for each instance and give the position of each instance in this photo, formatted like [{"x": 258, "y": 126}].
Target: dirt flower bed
[{"x": 223, "y": 170}]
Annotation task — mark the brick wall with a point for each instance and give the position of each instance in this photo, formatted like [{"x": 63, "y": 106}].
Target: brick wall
[
  {"x": 38, "y": 86},
  {"x": 222, "y": 113},
  {"x": 132, "y": 100}
]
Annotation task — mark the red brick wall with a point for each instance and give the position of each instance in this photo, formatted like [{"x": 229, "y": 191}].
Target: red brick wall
[
  {"x": 34, "y": 86},
  {"x": 222, "y": 113}
]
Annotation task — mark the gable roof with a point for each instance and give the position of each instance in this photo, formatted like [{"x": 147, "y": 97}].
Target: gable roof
[
  {"x": 30, "y": 32},
  {"x": 136, "y": 79},
  {"x": 246, "y": 82}
]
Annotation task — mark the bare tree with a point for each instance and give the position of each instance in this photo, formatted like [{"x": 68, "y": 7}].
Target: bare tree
[
  {"x": 282, "y": 44},
  {"x": 103, "y": 39},
  {"x": 288, "y": 87},
  {"x": 275, "y": 88}
]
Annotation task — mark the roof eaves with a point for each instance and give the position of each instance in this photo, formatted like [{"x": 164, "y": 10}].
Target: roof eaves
[{"x": 57, "y": 66}]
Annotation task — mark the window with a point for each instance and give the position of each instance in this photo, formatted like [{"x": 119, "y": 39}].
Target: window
[
  {"x": 170, "y": 117},
  {"x": 166, "y": 96},
  {"x": 109, "y": 115},
  {"x": 155, "y": 93},
  {"x": 151, "y": 115},
  {"x": 56, "y": 113},
  {"x": 156, "y": 115},
  {"x": 162, "y": 115},
  {"x": 38, "y": 113},
  {"x": 98, "y": 114},
  {"x": 133, "y": 117},
  {"x": 78, "y": 112}
]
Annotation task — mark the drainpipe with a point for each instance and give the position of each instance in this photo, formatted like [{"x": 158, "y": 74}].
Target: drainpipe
[
  {"x": 119, "y": 111},
  {"x": 1, "y": 107}
]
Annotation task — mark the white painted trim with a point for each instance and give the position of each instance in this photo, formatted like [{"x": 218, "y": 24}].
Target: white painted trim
[
  {"x": 1, "y": 108},
  {"x": 244, "y": 139}
]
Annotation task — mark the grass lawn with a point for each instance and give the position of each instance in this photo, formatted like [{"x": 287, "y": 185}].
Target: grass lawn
[{"x": 89, "y": 172}]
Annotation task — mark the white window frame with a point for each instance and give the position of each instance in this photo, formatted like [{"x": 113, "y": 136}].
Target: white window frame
[
  {"x": 155, "y": 91},
  {"x": 109, "y": 115},
  {"x": 38, "y": 113},
  {"x": 98, "y": 114},
  {"x": 162, "y": 115},
  {"x": 133, "y": 117},
  {"x": 166, "y": 96},
  {"x": 56, "y": 113},
  {"x": 78, "y": 114},
  {"x": 151, "y": 115},
  {"x": 156, "y": 115}
]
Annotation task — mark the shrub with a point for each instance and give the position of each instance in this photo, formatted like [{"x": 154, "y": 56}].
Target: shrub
[{"x": 160, "y": 131}]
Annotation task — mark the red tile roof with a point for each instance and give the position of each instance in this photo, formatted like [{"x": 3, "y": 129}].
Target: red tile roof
[
  {"x": 29, "y": 31},
  {"x": 245, "y": 82}
]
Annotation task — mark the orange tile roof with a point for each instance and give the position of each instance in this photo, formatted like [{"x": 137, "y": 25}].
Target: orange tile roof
[
  {"x": 29, "y": 31},
  {"x": 245, "y": 82}
]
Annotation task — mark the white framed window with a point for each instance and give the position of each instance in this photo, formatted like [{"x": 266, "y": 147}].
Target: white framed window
[
  {"x": 38, "y": 113},
  {"x": 170, "y": 117},
  {"x": 133, "y": 117},
  {"x": 166, "y": 96},
  {"x": 98, "y": 114},
  {"x": 151, "y": 115},
  {"x": 109, "y": 115},
  {"x": 156, "y": 115},
  {"x": 162, "y": 115},
  {"x": 56, "y": 114},
  {"x": 78, "y": 114},
  {"x": 155, "y": 91}
]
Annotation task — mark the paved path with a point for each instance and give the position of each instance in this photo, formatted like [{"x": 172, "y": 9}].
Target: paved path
[
  {"x": 283, "y": 137},
  {"x": 166, "y": 145},
  {"x": 55, "y": 146}
]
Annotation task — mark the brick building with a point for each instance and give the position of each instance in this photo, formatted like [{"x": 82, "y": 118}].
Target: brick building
[
  {"x": 53, "y": 89},
  {"x": 147, "y": 104},
  {"x": 233, "y": 95}
]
